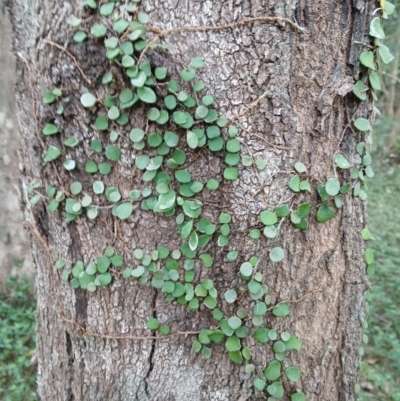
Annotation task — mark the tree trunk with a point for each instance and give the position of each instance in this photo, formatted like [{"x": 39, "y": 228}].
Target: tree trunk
[{"x": 304, "y": 115}]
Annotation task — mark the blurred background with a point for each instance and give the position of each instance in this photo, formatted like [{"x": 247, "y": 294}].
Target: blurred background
[{"x": 380, "y": 378}]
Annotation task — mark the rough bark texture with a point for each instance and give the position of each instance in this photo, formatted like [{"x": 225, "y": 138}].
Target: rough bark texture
[
  {"x": 305, "y": 76},
  {"x": 14, "y": 242}
]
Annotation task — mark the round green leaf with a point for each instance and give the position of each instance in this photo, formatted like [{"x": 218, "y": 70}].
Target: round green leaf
[
  {"x": 276, "y": 254},
  {"x": 88, "y": 100}
]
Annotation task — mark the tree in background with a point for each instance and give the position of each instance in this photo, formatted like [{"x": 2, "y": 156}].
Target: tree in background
[{"x": 175, "y": 206}]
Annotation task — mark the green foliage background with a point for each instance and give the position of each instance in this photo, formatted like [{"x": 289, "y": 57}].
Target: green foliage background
[{"x": 17, "y": 341}]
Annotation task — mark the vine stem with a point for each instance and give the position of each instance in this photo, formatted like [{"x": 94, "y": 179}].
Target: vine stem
[
  {"x": 72, "y": 57},
  {"x": 295, "y": 301},
  {"x": 122, "y": 337},
  {"x": 246, "y": 21}
]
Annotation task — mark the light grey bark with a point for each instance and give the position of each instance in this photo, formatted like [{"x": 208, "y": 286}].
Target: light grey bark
[
  {"x": 305, "y": 76},
  {"x": 14, "y": 243}
]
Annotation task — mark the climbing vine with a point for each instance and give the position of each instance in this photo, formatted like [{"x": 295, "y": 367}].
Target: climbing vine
[{"x": 182, "y": 121}]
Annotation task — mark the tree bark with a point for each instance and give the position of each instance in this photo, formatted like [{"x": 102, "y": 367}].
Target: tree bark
[{"x": 303, "y": 117}]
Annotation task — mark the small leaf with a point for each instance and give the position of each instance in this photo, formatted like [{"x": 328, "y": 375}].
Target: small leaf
[
  {"x": 294, "y": 183},
  {"x": 146, "y": 94},
  {"x": 281, "y": 310},
  {"x": 273, "y": 371},
  {"x": 366, "y": 234},
  {"x": 332, "y": 186},
  {"x": 376, "y": 29},
  {"x": 50, "y": 129},
  {"x": 360, "y": 90},
  {"x": 230, "y": 296},
  {"x": 276, "y": 254},
  {"x": 188, "y": 74},
  {"x": 375, "y": 81},
  {"x": 362, "y": 124},
  {"x": 71, "y": 142},
  {"x": 342, "y": 162},
  {"x": 299, "y": 396},
  {"x": 88, "y": 100},
  {"x": 293, "y": 373},
  {"x": 367, "y": 59},
  {"x": 325, "y": 213},
  {"x": 300, "y": 167},
  {"x": 268, "y": 218},
  {"x": 113, "y": 153},
  {"x": 197, "y": 62},
  {"x": 386, "y": 55},
  {"x": 124, "y": 210},
  {"x": 52, "y": 153},
  {"x": 259, "y": 384}
]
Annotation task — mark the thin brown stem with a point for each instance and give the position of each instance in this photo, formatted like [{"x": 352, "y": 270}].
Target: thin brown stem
[
  {"x": 72, "y": 57},
  {"x": 86, "y": 333}
]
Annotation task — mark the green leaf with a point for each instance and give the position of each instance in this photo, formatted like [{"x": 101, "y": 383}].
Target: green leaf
[
  {"x": 322, "y": 193},
  {"x": 75, "y": 188},
  {"x": 146, "y": 94},
  {"x": 369, "y": 256},
  {"x": 192, "y": 140},
  {"x": 300, "y": 167},
  {"x": 293, "y": 373},
  {"x": 236, "y": 357},
  {"x": 230, "y": 296},
  {"x": 360, "y": 90},
  {"x": 107, "y": 9},
  {"x": 197, "y": 62},
  {"x": 98, "y": 30},
  {"x": 259, "y": 384},
  {"x": 232, "y": 255},
  {"x": 342, "y": 162},
  {"x": 233, "y": 344},
  {"x": 79, "y": 36},
  {"x": 332, "y": 186},
  {"x": 113, "y": 153},
  {"x": 246, "y": 269},
  {"x": 375, "y": 81},
  {"x": 152, "y": 324},
  {"x": 50, "y": 129},
  {"x": 386, "y": 55},
  {"x": 268, "y": 218},
  {"x": 52, "y": 153},
  {"x": 234, "y": 322},
  {"x": 282, "y": 211},
  {"x": 304, "y": 210},
  {"x": 167, "y": 201},
  {"x": 375, "y": 28},
  {"x": 261, "y": 335},
  {"x": 276, "y": 254},
  {"x": 325, "y": 213},
  {"x": 294, "y": 183},
  {"x": 299, "y": 396},
  {"x": 362, "y": 124},
  {"x": 124, "y": 210},
  {"x": 293, "y": 343},
  {"x": 281, "y": 310},
  {"x": 88, "y": 100},
  {"x": 188, "y": 74},
  {"x": 207, "y": 261},
  {"x": 366, "y": 234},
  {"x": 367, "y": 59},
  {"x": 273, "y": 371},
  {"x": 275, "y": 389}
]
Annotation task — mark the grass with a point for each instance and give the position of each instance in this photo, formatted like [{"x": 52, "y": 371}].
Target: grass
[
  {"x": 381, "y": 379},
  {"x": 17, "y": 341}
]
